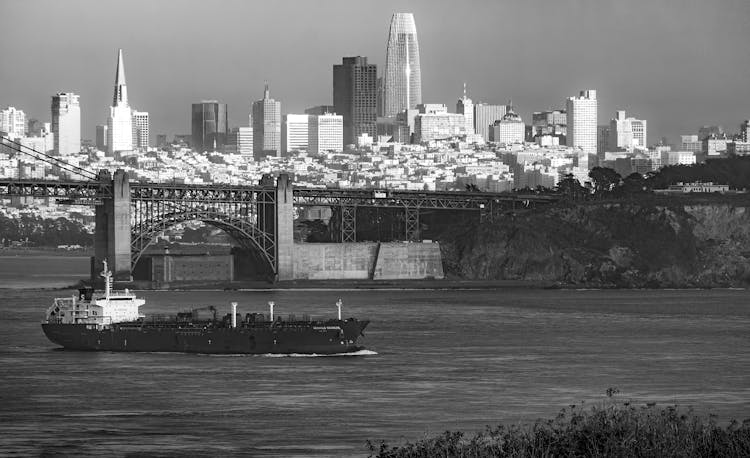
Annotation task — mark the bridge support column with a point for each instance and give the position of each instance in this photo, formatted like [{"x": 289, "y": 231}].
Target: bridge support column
[
  {"x": 284, "y": 229},
  {"x": 412, "y": 224},
  {"x": 112, "y": 233},
  {"x": 348, "y": 223}
]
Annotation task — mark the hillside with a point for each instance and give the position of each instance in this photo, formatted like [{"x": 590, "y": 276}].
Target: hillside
[{"x": 611, "y": 244}]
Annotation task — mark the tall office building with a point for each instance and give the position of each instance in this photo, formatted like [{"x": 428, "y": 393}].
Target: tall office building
[
  {"x": 294, "y": 132},
  {"x": 355, "y": 97},
  {"x": 240, "y": 141},
  {"x": 745, "y": 131},
  {"x": 582, "y": 115},
  {"x": 485, "y": 116},
  {"x": 120, "y": 121},
  {"x": 403, "y": 78},
  {"x": 266, "y": 126},
  {"x": 209, "y": 126},
  {"x": 13, "y": 123},
  {"x": 626, "y": 133},
  {"x": 140, "y": 129},
  {"x": 101, "y": 137},
  {"x": 465, "y": 106},
  {"x": 66, "y": 123},
  {"x": 325, "y": 133}
]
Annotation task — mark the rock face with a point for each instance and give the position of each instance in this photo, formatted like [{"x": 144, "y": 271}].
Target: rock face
[{"x": 608, "y": 245}]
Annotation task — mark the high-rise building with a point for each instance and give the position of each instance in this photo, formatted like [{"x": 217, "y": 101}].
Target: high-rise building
[
  {"x": 13, "y": 123},
  {"x": 485, "y": 116},
  {"x": 34, "y": 127},
  {"x": 403, "y": 77},
  {"x": 245, "y": 141},
  {"x": 66, "y": 123},
  {"x": 582, "y": 121},
  {"x": 320, "y": 109},
  {"x": 626, "y": 133},
  {"x": 325, "y": 133},
  {"x": 294, "y": 133},
  {"x": 380, "y": 96},
  {"x": 355, "y": 97},
  {"x": 101, "y": 137},
  {"x": 140, "y": 130},
  {"x": 120, "y": 121},
  {"x": 209, "y": 126},
  {"x": 690, "y": 143},
  {"x": 602, "y": 139},
  {"x": 745, "y": 131},
  {"x": 432, "y": 125},
  {"x": 552, "y": 122},
  {"x": 465, "y": 106},
  {"x": 708, "y": 131},
  {"x": 266, "y": 118},
  {"x": 511, "y": 129}
]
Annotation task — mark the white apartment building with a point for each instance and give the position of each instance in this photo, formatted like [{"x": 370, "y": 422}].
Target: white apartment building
[
  {"x": 581, "y": 118},
  {"x": 13, "y": 123},
  {"x": 245, "y": 141},
  {"x": 325, "y": 133},
  {"x": 66, "y": 123},
  {"x": 294, "y": 133},
  {"x": 508, "y": 130}
]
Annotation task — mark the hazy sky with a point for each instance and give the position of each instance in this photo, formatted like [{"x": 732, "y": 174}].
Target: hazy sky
[{"x": 679, "y": 64}]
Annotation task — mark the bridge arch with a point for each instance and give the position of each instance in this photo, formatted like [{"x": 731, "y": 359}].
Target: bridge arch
[{"x": 241, "y": 228}]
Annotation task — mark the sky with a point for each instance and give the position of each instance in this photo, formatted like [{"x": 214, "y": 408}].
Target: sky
[{"x": 680, "y": 64}]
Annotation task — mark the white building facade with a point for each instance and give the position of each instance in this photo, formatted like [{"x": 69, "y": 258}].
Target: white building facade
[
  {"x": 66, "y": 123},
  {"x": 627, "y": 133},
  {"x": 120, "y": 121},
  {"x": 13, "y": 123},
  {"x": 140, "y": 130},
  {"x": 582, "y": 121},
  {"x": 325, "y": 133},
  {"x": 294, "y": 133}
]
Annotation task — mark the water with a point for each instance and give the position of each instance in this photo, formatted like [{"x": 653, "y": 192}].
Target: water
[{"x": 445, "y": 360}]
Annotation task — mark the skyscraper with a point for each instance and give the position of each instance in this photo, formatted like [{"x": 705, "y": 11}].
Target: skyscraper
[
  {"x": 101, "y": 137},
  {"x": 66, "y": 123},
  {"x": 13, "y": 123},
  {"x": 209, "y": 126},
  {"x": 140, "y": 129},
  {"x": 465, "y": 106},
  {"x": 581, "y": 112},
  {"x": 403, "y": 77},
  {"x": 485, "y": 116},
  {"x": 745, "y": 131},
  {"x": 355, "y": 97},
  {"x": 120, "y": 122},
  {"x": 266, "y": 126}
]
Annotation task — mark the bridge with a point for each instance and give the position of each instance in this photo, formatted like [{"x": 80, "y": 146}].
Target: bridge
[{"x": 129, "y": 215}]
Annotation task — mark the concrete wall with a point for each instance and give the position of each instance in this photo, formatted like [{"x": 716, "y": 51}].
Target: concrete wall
[
  {"x": 367, "y": 260},
  {"x": 168, "y": 268},
  {"x": 334, "y": 261},
  {"x": 408, "y": 261}
]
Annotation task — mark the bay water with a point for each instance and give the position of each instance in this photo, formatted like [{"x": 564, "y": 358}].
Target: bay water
[{"x": 438, "y": 360}]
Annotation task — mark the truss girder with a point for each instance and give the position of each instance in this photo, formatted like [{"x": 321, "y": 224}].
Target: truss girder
[
  {"x": 70, "y": 190},
  {"x": 412, "y": 223}
]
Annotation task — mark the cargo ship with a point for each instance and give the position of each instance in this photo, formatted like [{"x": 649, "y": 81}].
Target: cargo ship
[{"x": 111, "y": 321}]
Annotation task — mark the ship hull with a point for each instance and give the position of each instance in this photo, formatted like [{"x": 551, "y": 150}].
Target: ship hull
[{"x": 242, "y": 340}]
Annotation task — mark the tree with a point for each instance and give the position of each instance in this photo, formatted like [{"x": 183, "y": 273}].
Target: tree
[
  {"x": 634, "y": 183},
  {"x": 571, "y": 188},
  {"x": 605, "y": 179}
]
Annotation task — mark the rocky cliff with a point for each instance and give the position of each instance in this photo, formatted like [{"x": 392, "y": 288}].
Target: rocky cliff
[{"x": 621, "y": 244}]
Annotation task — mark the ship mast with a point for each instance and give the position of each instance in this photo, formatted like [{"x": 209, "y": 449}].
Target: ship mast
[{"x": 107, "y": 274}]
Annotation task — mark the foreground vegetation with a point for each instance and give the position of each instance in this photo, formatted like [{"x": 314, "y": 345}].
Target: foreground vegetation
[{"x": 613, "y": 429}]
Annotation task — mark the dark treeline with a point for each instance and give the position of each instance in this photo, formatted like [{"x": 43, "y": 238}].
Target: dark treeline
[
  {"x": 37, "y": 231},
  {"x": 732, "y": 171}
]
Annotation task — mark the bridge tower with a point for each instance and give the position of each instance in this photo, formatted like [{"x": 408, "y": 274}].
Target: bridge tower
[
  {"x": 284, "y": 228},
  {"x": 112, "y": 233}
]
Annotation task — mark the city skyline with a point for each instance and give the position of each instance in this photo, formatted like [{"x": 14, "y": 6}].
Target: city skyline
[{"x": 677, "y": 75}]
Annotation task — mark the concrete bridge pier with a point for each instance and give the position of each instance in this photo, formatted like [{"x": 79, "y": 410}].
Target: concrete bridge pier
[
  {"x": 284, "y": 228},
  {"x": 112, "y": 233}
]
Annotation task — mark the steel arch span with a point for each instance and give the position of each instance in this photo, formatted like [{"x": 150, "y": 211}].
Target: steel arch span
[{"x": 249, "y": 222}]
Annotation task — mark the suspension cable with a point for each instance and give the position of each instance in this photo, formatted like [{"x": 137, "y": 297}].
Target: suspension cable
[{"x": 38, "y": 155}]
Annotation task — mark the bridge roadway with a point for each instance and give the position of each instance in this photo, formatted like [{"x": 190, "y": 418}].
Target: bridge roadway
[
  {"x": 130, "y": 215},
  {"x": 92, "y": 192}
]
